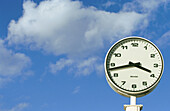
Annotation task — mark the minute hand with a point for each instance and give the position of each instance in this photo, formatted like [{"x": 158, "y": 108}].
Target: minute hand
[
  {"x": 140, "y": 67},
  {"x": 121, "y": 67}
]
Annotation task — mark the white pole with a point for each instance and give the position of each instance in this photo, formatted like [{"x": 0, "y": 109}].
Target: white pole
[
  {"x": 133, "y": 106},
  {"x": 132, "y": 100}
]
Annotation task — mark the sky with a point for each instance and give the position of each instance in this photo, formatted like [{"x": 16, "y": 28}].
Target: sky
[{"x": 52, "y": 52}]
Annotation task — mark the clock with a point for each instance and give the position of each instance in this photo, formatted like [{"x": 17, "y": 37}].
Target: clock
[{"x": 133, "y": 66}]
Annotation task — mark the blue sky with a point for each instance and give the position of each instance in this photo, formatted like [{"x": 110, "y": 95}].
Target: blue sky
[{"x": 52, "y": 52}]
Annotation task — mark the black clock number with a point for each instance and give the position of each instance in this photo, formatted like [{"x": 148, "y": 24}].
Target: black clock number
[
  {"x": 144, "y": 83},
  {"x": 145, "y": 47},
  {"x": 134, "y": 86},
  {"x": 152, "y": 75},
  {"x": 112, "y": 64},
  {"x": 155, "y": 65},
  {"x": 123, "y": 82},
  {"x": 117, "y": 54},
  {"x": 152, "y": 56},
  {"x": 134, "y": 44},
  {"x": 124, "y": 47},
  {"x": 115, "y": 75}
]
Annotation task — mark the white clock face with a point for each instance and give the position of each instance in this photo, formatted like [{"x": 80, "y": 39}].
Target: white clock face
[{"x": 133, "y": 65}]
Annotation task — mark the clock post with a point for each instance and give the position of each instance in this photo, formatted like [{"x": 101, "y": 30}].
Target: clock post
[
  {"x": 133, "y": 106},
  {"x": 133, "y": 68}
]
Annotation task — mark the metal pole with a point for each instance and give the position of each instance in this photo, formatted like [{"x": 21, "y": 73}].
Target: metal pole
[
  {"x": 133, "y": 106},
  {"x": 132, "y": 100}
]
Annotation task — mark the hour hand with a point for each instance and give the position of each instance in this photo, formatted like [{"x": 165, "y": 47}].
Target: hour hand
[{"x": 135, "y": 64}]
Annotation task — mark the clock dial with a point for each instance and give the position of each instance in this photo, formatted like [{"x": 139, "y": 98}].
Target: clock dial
[{"x": 133, "y": 65}]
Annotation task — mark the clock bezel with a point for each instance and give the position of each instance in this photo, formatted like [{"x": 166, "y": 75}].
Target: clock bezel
[{"x": 123, "y": 91}]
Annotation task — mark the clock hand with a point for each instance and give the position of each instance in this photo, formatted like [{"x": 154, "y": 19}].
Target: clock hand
[
  {"x": 138, "y": 65},
  {"x": 123, "y": 66},
  {"x": 143, "y": 68},
  {"x": 131, "y": 63}
]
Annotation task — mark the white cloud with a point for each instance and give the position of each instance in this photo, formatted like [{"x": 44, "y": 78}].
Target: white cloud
[
  {"x": 60, "y": 64},
  {"x": 146, "y": 6},
  {"x": 79, "y": 67},
  {"x": 88, "y": 66},
  {"x": 109, "y": 4},
  {"x": 12, "y": 64},
  {"x": 19, "y": 107},
  {"x": 164, "y": 40},
  {"x": 67, "y": 27},
  {"x": 64, "y": 27},
  {"x": 4, "y": 80},
  {"x": 76, "y": 90}
]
